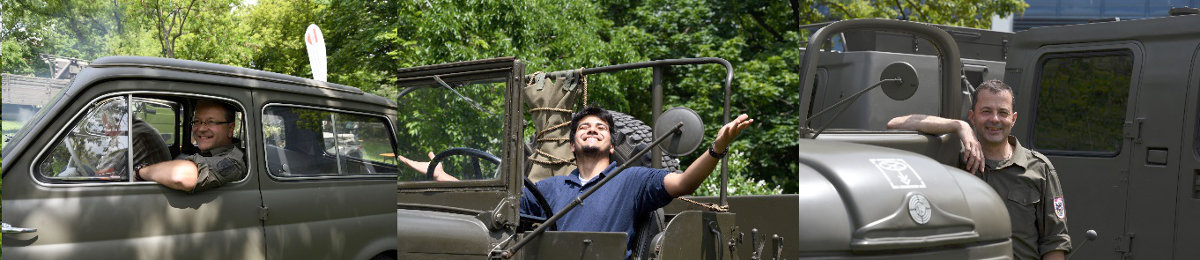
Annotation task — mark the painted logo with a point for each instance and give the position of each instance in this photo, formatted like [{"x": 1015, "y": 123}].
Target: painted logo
[
  {"x": 919, "y": 209},
  {"x": 1060, "y": 208},
  {"x": 899, "y": 174}
]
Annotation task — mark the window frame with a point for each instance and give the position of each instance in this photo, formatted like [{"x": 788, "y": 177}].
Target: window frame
[
  {"x": 37, "y": 177},
  {"x": 391, "y": 136},
  {"x": 1127, "y": 49}
]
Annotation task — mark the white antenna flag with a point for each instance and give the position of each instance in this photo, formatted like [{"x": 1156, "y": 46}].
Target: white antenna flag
[{"x": 315, "y": 42}]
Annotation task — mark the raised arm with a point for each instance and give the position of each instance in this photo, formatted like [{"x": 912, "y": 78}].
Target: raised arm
[
  {"x": 679, "y": 184},
  {"x": 972, "y": 152}
]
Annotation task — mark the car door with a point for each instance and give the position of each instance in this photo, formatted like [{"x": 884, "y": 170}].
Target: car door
[
  {"x": 1188, "y": 205},
  {"x": 73, "y": 184},
  {"x": 1080, "y": 100},
  {"x": 330, "y": 183}
]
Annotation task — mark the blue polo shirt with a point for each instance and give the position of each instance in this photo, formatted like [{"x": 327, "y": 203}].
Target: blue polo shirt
[{"x": 613, "y": 208}]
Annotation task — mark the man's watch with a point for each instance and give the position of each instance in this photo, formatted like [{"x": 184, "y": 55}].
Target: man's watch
[
  {"x": 138, "y": 168},
  {"x": 712, "y": 152}
]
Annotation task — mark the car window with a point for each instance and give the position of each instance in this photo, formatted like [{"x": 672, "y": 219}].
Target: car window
[
  {"x": 304, "y": 142},
  {"x": 95, "y": 149},
  {"x": 461, "y": 120},
  {"x": 1081, "y": 102},
  {"x": 162, "y": 115}
]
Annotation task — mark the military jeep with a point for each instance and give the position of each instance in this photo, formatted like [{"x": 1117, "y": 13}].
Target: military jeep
[{"x": 318, "y": 183}]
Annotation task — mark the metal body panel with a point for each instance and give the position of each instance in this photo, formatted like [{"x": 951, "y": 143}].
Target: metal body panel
[
  {"x": 437, "y": 234},
  {"x": 351, "y": 217},
  {"x": 140, "y": 220},
  {"x": 575, "y": 245},
  {"x": 943, "y": 148},
  {"x": 1142, "y": 207},
  {"x": 1188, "y": 205},
  {"x": 699, "y": 235}
]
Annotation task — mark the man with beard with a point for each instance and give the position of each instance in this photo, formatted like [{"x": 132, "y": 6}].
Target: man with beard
[
  {"x": 634, "y": 192},
  {"x": 219, "y": 161},
  {"x": 1024, "y": 178}
]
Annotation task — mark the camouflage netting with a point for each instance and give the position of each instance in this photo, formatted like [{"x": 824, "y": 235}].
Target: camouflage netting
[{"x": 550, "y": 97}]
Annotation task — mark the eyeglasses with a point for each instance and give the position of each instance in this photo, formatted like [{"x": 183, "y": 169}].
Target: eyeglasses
[{"x": 208, "y": 123}]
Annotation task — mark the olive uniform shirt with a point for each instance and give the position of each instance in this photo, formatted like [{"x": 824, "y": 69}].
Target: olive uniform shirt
[
  {"x": 1030, "y": 189},
  {"x": 218, "y": 166}
]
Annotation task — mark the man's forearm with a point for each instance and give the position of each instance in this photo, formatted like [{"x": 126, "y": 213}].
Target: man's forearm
[
  {"x": 679, "y": 184},
  {"x": 926, "y": 124},
  {"x": 175, "y": 174}
]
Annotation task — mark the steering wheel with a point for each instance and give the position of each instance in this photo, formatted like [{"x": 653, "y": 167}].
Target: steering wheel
[
  {"x": 537, "y": 195},
  {"x": 437, "y": 159}
]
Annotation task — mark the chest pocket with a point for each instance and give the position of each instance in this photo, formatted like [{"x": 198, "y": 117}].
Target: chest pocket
[{"x": 1022, "y": 202}]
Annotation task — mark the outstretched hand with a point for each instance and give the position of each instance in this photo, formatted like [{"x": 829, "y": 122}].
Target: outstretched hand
[
  {"x": 423, "y": 167},
  {"x": 730, "y": 131}
]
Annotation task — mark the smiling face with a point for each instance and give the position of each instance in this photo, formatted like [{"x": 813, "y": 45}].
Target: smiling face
[
  {"x": 592, "y": 137},
  {"x": 993, "y": 116},
  {"x": 207, "y": 137}
]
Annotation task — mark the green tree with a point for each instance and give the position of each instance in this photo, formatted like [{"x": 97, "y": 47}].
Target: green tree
[{"x": 759, "y": 37}]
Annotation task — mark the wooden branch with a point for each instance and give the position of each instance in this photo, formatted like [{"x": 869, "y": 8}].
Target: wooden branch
[{"x": 761, "y": 23}]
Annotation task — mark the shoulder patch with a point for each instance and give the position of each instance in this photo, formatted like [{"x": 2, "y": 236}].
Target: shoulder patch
[{"x": 1060, "y": 208}]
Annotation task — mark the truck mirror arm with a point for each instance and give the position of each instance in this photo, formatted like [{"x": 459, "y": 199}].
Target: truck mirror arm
[{"x": 843, "y": 104}]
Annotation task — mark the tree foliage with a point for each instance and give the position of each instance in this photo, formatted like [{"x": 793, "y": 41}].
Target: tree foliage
[
  {"x": 759, "y": 37},
  {"x": 265, "y": 35},
  {"x": 369, "y": 39}
]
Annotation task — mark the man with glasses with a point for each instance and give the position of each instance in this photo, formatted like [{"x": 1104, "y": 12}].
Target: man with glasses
[{"x": 219, "y": 161}]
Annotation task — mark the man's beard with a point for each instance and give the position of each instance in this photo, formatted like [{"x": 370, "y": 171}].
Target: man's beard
[{"x": 590, "y": 151}]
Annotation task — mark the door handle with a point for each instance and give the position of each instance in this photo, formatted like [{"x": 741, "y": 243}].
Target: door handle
[{"x": 9, "y": 229}]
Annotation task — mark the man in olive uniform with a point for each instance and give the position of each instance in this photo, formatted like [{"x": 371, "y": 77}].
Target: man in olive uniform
[
  {"x": 219, "y": 161},
  {"x": 1023, "y": 178}
]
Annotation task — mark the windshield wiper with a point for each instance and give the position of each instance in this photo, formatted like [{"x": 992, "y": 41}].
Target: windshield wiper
[{"x": 469, "y": 100}]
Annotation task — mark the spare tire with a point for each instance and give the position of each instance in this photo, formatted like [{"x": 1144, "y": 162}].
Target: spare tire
[{"x": 631, "y": 136}]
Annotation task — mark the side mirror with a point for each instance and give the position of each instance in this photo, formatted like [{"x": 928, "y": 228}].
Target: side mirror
[
  {"x": 908, "y": 81},
  {"x": 689, "y": 136}
]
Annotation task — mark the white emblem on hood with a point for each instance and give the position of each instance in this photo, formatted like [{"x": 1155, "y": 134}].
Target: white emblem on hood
[
  {"x": 899, "y": 174},
  {"x": 919, "y": 209}
]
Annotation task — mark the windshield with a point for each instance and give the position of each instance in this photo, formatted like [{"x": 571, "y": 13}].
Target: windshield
[{"x": 445, "y": 119}]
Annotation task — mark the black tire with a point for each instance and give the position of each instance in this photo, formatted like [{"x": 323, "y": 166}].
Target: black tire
[{"x": 631, "y": 136}]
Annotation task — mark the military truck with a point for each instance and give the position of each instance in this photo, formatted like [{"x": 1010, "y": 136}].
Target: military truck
[
  {"x": 856, "y": 202},
  {"x": 1113, "y": 105},
  {"x": 318, "y": 184}
]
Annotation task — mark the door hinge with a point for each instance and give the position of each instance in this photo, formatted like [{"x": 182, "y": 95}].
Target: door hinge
[
  {"x": 1133, "y": 129},
  {"x": 263, "y": 212},
  {"x": 1125, "y": 245}
]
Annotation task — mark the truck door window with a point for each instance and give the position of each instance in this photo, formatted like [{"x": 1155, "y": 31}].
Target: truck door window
[
  {"x": 96, "y": 147},
  {"x": 1081, "y": 102},
  {"x": 302, "y": 142}
]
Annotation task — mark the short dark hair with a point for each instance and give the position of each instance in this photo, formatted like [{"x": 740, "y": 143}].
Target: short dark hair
[
  {"x": 229, "y": 109},
  {"x": 993, "y": 86},
  {"x": 590, "y": 110}
]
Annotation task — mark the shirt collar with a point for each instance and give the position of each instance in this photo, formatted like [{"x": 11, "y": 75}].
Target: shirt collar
[
  {"x": 1020, "y": 156},
  {"x": 574, "y": 177}
]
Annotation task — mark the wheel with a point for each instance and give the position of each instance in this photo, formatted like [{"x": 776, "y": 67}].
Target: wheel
[{"x": 630, "y": 136}]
